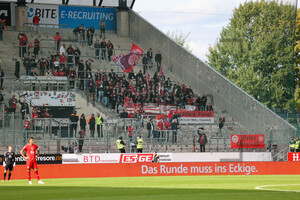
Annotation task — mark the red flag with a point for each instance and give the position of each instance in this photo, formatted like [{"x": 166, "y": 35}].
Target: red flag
[{"x": 129, "y": 61}]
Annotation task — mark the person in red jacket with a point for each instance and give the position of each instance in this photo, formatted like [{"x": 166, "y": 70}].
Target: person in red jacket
[
  {"x": 160, "y": 127},
  {"x": 130, "y": 130},
  {"x": 27, "y": 124},
  {"x": 61, "y": 72},
  {"x": 36, "y": 21},
  {"x": 57, "y": 39}
]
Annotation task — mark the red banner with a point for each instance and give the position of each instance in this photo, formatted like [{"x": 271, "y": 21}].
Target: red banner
[
  {"x": 161, "y": 169},
  {"x": 136, "y": 158},
  {"x": 294, "y": 156},
  {"x": 247, "y": 141},
  {"x": 184, "y": 113}
]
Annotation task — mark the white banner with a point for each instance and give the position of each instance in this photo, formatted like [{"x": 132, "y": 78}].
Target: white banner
[
  {"x": 196, "y": 120},
  {"x": 90, "y": 158},
  {"x": 165, "y": 157},
  {"x": 48, "y": 13}
]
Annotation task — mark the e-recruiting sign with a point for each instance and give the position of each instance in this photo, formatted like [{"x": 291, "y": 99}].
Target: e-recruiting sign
[{"x": 73, "y": 16}]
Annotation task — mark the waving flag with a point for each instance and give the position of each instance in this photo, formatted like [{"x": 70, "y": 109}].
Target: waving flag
[{"x": 129, "y": 61}]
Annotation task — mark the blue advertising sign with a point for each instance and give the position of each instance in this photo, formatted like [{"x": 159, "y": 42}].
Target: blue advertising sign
[{"x": 88, "y": 16}]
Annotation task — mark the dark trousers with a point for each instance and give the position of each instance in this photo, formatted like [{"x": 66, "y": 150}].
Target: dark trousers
[
  {"x": 202, "y": 147},
  {"x": 99, "y": 130},
  {"x": 92, "y": 132},
  {"x": 140, "y": 150},
  {"x": 103, "y": 54},
  {"x": 97, "y": 52},
  {"x": 174, "y": 137},
  {"x": 122, "y": 150},
  {"x": 73, "y": 128},
  {"x": 80, "y": 143},
  {"x": 102, "y": 30}
]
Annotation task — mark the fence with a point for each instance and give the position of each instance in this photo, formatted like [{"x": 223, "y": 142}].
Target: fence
[{"x": 192, "y": 71}]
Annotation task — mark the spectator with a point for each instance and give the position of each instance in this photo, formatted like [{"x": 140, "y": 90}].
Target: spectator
[
  {"x": 81, "y": 139},
  {"x": 150, "y": 128},
  {"x": 24, "y": 108},
  {"x": 77, "y": 54},
  {"x": 72, "y": 77},
  {"x": 74, "y": 121},
  {"x": 110, "y": 48},
  {"x": 2, "y": 28},
  {"x": 1, "y": 79},
  {"x": 92, "y": 31},
  {"x": 70, "y": 53},
  {"x": 100, "y": 121},
  {"x": 292, "y": 144},
  {"x": 97, "y": 47},
  {"x": 62, "y": 49},
  {"x": 202, "y": 139},
  {"x": 145, "y": 63},
  {"x": 46, "y": 113},
  {"x": 174, "y": 127},
  {"x": 158, "y": 59},
  {"x": 36, "y": 21},
  {"x": 102, "y": 28},
  {"x": 1, "y": 100},
  {"x": 155, "y": 157},
  {"x": 106, "y": 94},
  {"x": 130, "y": 130},
  {"x": 203, "y": 102},
  {"x": 103, "y": 49},
  {"x": 82, "y": 34},
  {"x": 82, "y": 122},
  {"x": 57, "y": 39},
  {"x": 91, "y": 87},
  {"x": 221, "y": 122},
  {"x": 27, "y": 124},
  {"x": 88, "y": 36},
  {"x": 22, "y": 44},
  {"x": 150, "y": 58},
  {"x": 33, "y": 73},
  {"x": 13, "y": 104},
  {"x": 17, "y": 68},
  {"x": 36, "y": 48},
  {"x": 209, "y": 107},
  {"x": 92, "y": 123},
  {"x": 62, "y": 60},
  {"x": 121, "y": 145},
  {"x": 43, "y": 66},
  {"x": 76, "y": 31}
]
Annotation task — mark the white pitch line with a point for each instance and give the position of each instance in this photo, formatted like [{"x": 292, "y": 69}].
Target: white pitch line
[{"x": 264, "y": 187}]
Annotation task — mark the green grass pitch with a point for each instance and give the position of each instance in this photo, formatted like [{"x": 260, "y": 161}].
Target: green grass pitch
[{"x": 143, "y": 188}]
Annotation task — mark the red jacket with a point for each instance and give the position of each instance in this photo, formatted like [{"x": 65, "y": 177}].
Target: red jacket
[
  {"x": 61, "y": 73},
  {"x": 167, "y": 125},
  {"x": 130, "y": 129},
  {"x": 160, "y": 125},
  {"x": 36, "y": 19},
  {"x": 57, "y": 39},
  {"x": 27, "y": 124}
]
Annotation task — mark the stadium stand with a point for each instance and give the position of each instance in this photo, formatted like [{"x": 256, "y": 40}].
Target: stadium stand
[{"x": 185, "y": 85}]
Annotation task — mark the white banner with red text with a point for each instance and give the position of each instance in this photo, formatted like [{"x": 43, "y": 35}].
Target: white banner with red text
[{"x": 165, "y": 157}]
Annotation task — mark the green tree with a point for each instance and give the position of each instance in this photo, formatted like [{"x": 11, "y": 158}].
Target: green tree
[
  {"x": 181, "y": 38},
  {"x": 255, "y": 51},
  {"x": 297, "y": 62}
]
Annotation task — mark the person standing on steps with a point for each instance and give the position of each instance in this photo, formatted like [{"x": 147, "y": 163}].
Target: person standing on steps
[
  {"x": 102, "y": 28},
  {"x": 121, "y": 145}
]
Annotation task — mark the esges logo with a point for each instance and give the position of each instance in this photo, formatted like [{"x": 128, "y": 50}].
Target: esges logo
[{"x": 136, "y": 158}]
